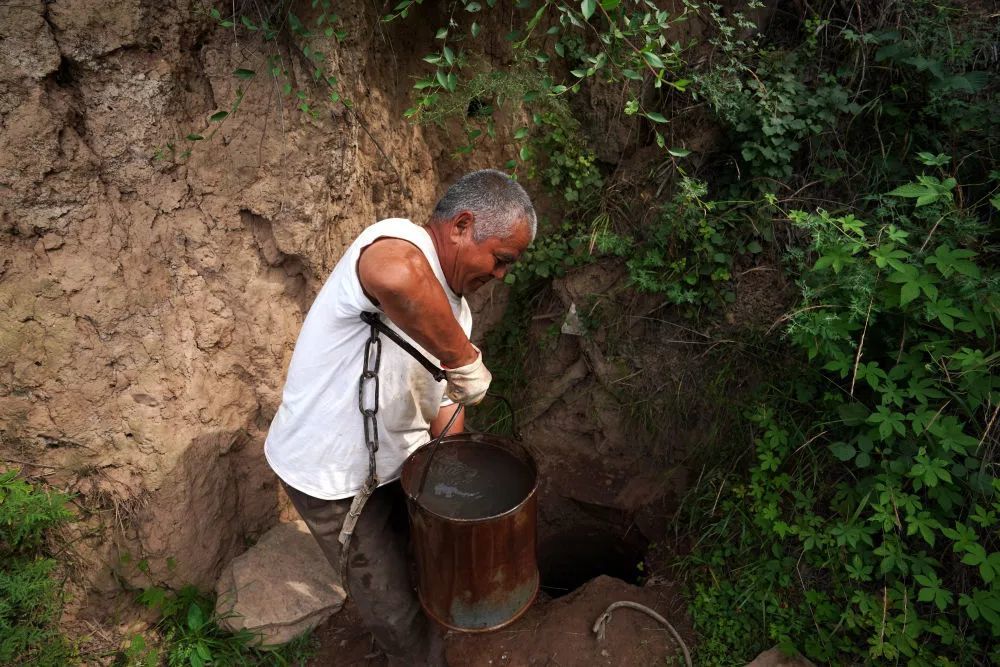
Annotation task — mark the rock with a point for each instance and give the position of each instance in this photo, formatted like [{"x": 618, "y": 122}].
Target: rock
[
  {"x": 52, "y": 242},
  {"x": 281, "y": 587},
  {"x": 775, "y": 658}
]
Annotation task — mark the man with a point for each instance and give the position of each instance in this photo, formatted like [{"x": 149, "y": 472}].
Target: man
[{"x": 417, "y": 279}]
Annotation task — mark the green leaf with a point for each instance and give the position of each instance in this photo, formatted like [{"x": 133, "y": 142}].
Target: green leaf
[
  {"x": 908, "y": 293},
  {"x": 836, "y": 258},
  {"x": 913, "y": 282},
  {"x": 843, "y": 451},
  {"x": 195, "y": 617},
  {"x": 587, "y": 8},
  {"x": 652, "y": 59},
  {"x": 948, "y": 260},
  {"x": 441, "y": 33},
  {"x": 655, "y": 116},
  {"x": 932, "y": 160},
  {"x": 975, "y": 554},
  {"x": 244, "y": 74},
  {"x": 911, "y": 190},
  {"x": 217, "y": 116},
  {"x": 683, "y": 152},
  {"x": 474, "y": 29},
  {"x": 889, "y": 255},
  {"x": 194, "y": 137}
]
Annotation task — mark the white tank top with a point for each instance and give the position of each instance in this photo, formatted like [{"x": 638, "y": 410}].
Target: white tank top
[{"x": 316, "y": 442}]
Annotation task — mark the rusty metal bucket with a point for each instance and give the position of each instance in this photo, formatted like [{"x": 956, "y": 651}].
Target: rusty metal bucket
[{"x": 475, "y": 573}]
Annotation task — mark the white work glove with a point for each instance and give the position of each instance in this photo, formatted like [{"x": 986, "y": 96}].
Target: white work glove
[{"x": 468, "y": 384}]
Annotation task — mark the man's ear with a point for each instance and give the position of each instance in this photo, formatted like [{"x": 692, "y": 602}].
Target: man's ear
[{"x": 462, "y": 224}]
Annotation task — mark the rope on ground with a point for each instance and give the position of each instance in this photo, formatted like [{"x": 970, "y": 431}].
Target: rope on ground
[{"x": 601, "y": 624}]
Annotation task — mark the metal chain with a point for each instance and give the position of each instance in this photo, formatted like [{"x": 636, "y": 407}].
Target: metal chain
[
  {"x": 368, "y": 388},
  {"x": 368, "y": 405}
]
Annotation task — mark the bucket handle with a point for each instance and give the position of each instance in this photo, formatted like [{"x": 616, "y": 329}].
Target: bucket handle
[{"x": 432, "y": 450}]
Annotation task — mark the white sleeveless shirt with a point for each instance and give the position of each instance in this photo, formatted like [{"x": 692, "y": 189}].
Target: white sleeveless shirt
[{"x": 316, "y": 442}]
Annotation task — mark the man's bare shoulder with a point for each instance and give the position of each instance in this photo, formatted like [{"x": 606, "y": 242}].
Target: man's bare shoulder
[
  {"x": 388, "y": 247},
  {"x": 390, "y": 262}
]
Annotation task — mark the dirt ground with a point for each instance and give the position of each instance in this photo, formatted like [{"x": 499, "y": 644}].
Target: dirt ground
[
  {"x": 342, "y": 642},
  {"x": 554, "y": 632}
]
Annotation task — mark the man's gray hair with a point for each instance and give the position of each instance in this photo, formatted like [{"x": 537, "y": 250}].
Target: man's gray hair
[{"x": 497, "y": 201}]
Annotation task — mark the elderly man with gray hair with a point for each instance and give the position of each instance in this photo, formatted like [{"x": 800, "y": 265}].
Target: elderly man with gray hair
[{"x": 340, "y": 463}]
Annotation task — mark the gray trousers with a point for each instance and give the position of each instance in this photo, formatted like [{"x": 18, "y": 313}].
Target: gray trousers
[{"x": 378, "y": 570}]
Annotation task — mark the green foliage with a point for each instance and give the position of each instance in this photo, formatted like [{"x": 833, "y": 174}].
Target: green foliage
[
  {"x": 687, "y": 253},
  {"x": 569, "y": 170},
  {"x": 776, "y": 110},
  {"x": 871, "y": 485},
  {"x": 624, "y": 43},
  {"x": 191, "y": 636},
  {"x": 30, "y": 598},
  {"x": 865, "y": 527}
]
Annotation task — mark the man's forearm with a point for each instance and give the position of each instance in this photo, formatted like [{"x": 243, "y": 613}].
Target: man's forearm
[{"x": 431, "y": 324}]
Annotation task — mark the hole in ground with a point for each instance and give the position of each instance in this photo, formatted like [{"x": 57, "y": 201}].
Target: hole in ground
[{"x": 571, "y": 558}]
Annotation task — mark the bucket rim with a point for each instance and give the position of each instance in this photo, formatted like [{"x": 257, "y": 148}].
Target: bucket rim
[{"x": 475, "y": 436}]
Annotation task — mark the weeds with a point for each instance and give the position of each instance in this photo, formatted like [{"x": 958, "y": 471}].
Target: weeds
[{"x": 30, "y": 595}]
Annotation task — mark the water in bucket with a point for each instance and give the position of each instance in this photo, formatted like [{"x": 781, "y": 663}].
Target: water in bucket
[{"x": 475, "y": 481}]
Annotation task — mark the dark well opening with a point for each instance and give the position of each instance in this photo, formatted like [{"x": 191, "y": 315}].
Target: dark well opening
[{"x": 571, "y": 558}]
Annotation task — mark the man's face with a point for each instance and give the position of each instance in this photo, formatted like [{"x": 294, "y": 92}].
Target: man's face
[{"x": 479, "y": 263}]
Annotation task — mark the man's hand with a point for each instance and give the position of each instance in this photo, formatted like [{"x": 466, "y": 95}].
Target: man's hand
[{"x": 468, "y": 384}]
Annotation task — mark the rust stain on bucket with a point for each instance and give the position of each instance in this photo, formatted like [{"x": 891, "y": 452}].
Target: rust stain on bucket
[{"x": 474, "y": 530}]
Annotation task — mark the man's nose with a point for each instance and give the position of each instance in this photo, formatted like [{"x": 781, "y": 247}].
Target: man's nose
[{"x": 499, "y": 272}]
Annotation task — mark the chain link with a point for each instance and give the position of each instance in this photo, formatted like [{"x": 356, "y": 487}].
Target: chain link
[{"x": 368, "y": 395}]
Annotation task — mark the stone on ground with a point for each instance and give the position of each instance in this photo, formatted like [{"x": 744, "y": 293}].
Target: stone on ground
[
  {"x": 775, "y": 658},
  {"x": 280, "y": 588}
]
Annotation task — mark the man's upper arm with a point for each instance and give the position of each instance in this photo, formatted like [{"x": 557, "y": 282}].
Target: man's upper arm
[{"x": 391, "y": 266}]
